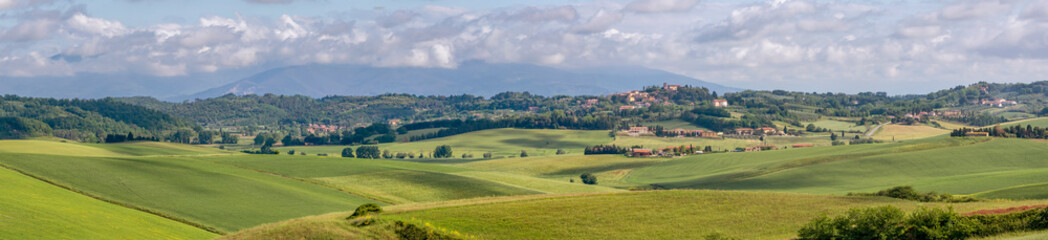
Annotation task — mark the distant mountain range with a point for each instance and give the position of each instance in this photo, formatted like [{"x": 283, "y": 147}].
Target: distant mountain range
[{"x": 476, "y": 78}]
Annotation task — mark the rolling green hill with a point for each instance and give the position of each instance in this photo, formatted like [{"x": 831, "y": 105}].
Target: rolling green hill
[
  {"x": 404, "y": 182},
  {"x": 674, "y": 214},
  {"x": 218, "y": 196},
  {"x": 504, "y": 142},
  {"x": 952, "y": 165},
  {"x": 32, "y": 209}
]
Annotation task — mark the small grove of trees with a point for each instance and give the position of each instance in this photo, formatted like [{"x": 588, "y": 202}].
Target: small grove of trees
[
  {"x": 117, "y": 138},
  {"x": 488, "y": 155},
  {"x": 604, "y": 149},
  {"x": 368, "y": 152},
  {"x": 909, "y": 193},
  {"x": 1016, "y": 131},
  {"x": 588, "y": 178},
  {"x": 442, "y": 151},
  {"x": 229, "y": 138},
  {"x": 888, "y": 222}
]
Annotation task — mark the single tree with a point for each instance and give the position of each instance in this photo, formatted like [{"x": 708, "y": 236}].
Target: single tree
[
  {"x": 588, "y": 178},
  {"x": 560, "y": 151},
  {"x": 442, "y": 151},
  {"x": 523, "y": 153}
]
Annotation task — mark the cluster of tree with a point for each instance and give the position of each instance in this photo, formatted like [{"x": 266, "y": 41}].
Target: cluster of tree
[
  {"x": 1015, "y": 131},
  {"x": 976, "y": 119},
  {"x": 604, "y": 149},
  {"x": 82, "y": 120},
  {"x": 889, "y": 222},
  {"x": 812, "y": 128},
  {"x": 443, "y": 151},
  {"x": 18, "y": 127},
  {"x": 118, "y": 138},
  {"x": 554, "y": 120},
  {"x": 718, "y": 119},
  {"x": 858, "y": 140},
  {"x": 909, "y": 193}
]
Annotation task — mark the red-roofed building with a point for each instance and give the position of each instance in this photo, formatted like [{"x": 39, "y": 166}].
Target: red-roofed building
[
  {"x": 744, "y": 131},
  {"x": 720, "y": 102}
]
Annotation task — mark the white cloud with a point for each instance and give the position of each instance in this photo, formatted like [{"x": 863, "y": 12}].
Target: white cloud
[
  {"x": 8, "y": 4},
  {"x": 657, "y": 6},
  {"x": 97, "y": 26},
  {"x": 599, "y": 22}
]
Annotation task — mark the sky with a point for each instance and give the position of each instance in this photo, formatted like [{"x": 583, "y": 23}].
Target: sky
[{"x": 841, "y": 46}]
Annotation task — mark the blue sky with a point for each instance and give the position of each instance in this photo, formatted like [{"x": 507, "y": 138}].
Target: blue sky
[{"x": 848, "y": 46}]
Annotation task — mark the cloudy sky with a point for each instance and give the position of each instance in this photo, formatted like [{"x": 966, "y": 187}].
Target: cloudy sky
[{"x": 846, "y": 46}]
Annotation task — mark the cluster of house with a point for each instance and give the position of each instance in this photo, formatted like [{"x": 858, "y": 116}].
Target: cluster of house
[
  {"x": 638, "y": 131},
  {"x": 757, "y": 131},
  {"x": 321, "y": 128},
  {"x": 1000, "y": 102}
]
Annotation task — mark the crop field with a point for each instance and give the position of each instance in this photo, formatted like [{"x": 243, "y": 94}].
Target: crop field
[
  {"x": 223, "y": 197},
  {"x": 660, "y": 142},
  {"x": 1035, "y": 122},
  {"x": 33, "y": 209},
  {"x": 672, "y": 124},
  {"x": 401, "y": 182},
  {"x": 564, "y": 168},
  {"x": 838, "y": 125},
  {"x": 102, "y": 150},
  {"x": 505, "y": 142},
  {"x": 952, "y": 165},
  {"x": 682, "y": 214},
  {"x": 1032, "y": 191},
  {"x": 901, "y": 132}
]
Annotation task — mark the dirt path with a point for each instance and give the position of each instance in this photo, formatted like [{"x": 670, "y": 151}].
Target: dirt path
[{"x": 874, "y": 130}]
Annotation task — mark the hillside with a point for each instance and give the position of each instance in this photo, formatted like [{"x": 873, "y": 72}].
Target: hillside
[
  {"x": 475, "y": 78},
  {"x": 32, "y": 209},
  {"x": 81, "y": 120},
  {"x": 951, "y": 165},
  {"x": 674, "y": 214}
]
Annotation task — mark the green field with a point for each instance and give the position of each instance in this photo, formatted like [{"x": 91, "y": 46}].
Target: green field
[
  {"x": 952, "y": 165},
  {"x": 661, "y": 142},
  {"x": 1036, "y": 122},
  {"x": 401, "y": 182},
  {"x": 1032, "y": 191},
  {"x": 32, "y": 209},
  {"x": 673, "y": 124},
  {"x": 609, "y": 168},
  {"x": 901, "y": 132},
  {"x": 505, "y": 142},
  {"x": 671, "y": 214},
  {"x": 219, "y": 196},
  {"x": 837, "y": 126}
]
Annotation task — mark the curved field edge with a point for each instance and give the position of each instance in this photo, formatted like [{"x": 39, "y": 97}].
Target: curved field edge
[
  {"x": 32, "y": 209},
  {"x": 681, "y": 214},
  {"x": 952, "y": 165}
]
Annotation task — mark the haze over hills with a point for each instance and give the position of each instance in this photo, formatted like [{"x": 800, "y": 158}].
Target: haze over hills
[{"x": 477, "y": 78}]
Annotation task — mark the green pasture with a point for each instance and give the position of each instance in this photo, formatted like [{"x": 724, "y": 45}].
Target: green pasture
[
  {"x": 903, "y": 132},
  {"x": 1035, "y": 122},
  {"x": 952, "y": 165},
  {"x": 504, "y": 142},
  {"x": 33, "y": 209},
  {"x": 224, "y": 197},
  {"x": 103, "y": 150},
  {"x": 402, "y": 181}
]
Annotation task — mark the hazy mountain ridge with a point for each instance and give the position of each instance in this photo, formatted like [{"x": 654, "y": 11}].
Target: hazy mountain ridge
[{"x": 476, "y": 78}]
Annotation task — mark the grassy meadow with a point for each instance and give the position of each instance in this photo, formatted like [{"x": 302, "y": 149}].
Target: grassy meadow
[
  {"x": 952, "y": 165},
  {"x": 903, "y": 132},
  {"x": 507, "y": 142},
  {"x": 33, "y": 209},
  {"x": 681, "y": 214}
]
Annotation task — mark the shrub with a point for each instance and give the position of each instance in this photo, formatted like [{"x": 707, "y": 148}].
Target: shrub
[
  {"x": 891, "y": 223},
  {"x": 588, "y": 178},
  {"x": 523, "y": 153},
  {"x": 560, "y": 151},
  {"x": 291, "y": 152},
  {"x": 410, "y": 231},
  {"x": 347, "y": 152},
  {"x": 442, "y": 151},
  {"x": 487, "y": 155},
  {"x": 365, "y": 209}
]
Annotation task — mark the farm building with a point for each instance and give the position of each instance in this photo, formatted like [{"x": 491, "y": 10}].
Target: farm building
[
  {"x": 641, "y": 152},
  {"x": 744, "y": 131},
  {"x": 720, "y": 102}
]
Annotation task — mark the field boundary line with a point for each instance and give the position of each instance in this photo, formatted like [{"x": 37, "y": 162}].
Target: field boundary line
[
  {"x": 305, "y": 180},
  {"x": 114, "y": 202}
]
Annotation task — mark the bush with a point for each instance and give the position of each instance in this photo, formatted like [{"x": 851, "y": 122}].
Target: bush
[
  {"x": 487, "y": 155},
  {"x": 291, "y": 152},
  {"x": 410, "y": 231},
  {"x": 523, "y": 153},
  {"x": 346, "y": 152},
  {"x": 560, "y": 151},
  {"x": 588, "y": 178},
  {"x": 365, "y": 209},
  {"x": 909, "y": 193},
  {"x": 891, "y": 223},
  {"x": 442, "y": 151}
]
